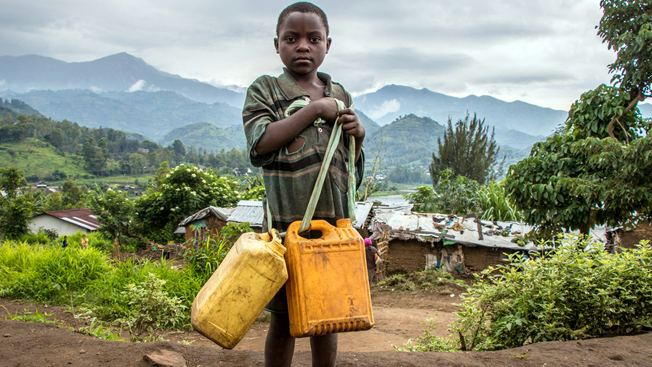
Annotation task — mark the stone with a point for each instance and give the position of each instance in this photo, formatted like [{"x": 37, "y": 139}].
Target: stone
[{"x": 165, "y": 358}]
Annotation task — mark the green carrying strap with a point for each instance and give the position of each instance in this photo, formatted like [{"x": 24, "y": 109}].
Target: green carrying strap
[{"x": 330, "y": 151}]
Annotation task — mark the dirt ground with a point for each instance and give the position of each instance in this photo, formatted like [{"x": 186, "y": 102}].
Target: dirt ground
[{"x": 398, "y": 317}]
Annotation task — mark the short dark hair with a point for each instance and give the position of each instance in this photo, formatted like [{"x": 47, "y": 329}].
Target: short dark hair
[{"x": 302, "y": 7}]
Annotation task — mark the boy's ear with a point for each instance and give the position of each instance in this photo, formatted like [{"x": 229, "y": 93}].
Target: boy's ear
[
  {"x": 276, "y": 44},
  {"x": 328, "y": 44}
]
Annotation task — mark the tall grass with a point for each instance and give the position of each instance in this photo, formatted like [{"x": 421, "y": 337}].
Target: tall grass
[
  {"x": 496, "y": 205},
  {"x": 87, "y": 278}
]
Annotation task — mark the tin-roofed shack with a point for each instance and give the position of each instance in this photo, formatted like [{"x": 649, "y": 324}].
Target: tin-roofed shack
[
  {"x": 417, "y": 241},
  {"x": 208, "y": 221}
]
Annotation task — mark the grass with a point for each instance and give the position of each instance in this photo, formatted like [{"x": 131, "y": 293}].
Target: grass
[
  {"x": 35, "y": 157},
  {"x": 427, "y": 280}
]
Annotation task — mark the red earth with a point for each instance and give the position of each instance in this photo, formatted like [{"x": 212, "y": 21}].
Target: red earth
[{"x": 398, "y": 317}]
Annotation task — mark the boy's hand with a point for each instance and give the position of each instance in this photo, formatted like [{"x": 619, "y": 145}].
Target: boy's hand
[
  {"x": 351, "y": 124},
  {"x": 327, "y": 109}
]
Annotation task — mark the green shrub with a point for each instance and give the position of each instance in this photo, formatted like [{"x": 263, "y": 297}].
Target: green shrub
[
  {"x": 151, "y": 307},
  {"x": 430, "y": 280},
  {"x": 579, "y": 291}
]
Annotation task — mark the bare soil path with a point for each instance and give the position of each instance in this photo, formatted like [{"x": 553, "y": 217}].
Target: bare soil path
[{"x": 398, "y": 317}]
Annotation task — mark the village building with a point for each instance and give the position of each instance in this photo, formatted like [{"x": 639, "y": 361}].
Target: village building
[
  {"x": 417, "y": 241},
  {"x": 66, "y": 222},
  {"x": 211, "y": 220}
]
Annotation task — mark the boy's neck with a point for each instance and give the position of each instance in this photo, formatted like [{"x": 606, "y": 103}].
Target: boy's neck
[{"x": 310, "y": 83}]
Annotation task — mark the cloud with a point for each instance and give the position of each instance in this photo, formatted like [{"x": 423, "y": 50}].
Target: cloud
[
  {"x": 386, "y": 107},
  {"x": 137, "y": 86}
]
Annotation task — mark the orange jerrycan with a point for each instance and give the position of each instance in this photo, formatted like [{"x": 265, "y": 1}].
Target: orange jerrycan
[
  {"x": 246, "y": 280},
  {"x": 328, "y": 287}
]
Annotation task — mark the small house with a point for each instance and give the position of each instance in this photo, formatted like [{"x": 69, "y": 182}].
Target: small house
[
  {"x": 66, "y": 222},
  {"x": 208, "y": 221},
  {"x": 415, "y": 241}
]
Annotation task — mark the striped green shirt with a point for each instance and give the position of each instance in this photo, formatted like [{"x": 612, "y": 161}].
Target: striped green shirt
[{"x": 290, "y": 176}]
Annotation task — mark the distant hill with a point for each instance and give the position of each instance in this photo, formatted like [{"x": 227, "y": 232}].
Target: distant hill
[
  {"x": 409, "y": 140},
  {"x": 16, "y": 107},
  {"x": 120, "y": 72},
  {"x": 152, "y": 114},
  {"x": 392, "y": 101},
  {"x": 207, "y": 136}
]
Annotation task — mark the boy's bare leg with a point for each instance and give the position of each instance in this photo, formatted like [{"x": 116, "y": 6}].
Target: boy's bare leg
[
  {"x": 279, "y": 346},
  {"x": 324, "y": 350}
]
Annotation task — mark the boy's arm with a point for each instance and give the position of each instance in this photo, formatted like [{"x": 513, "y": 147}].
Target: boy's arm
[{"x": 281, "y": 132}]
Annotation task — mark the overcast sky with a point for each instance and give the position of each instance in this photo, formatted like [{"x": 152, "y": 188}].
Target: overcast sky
[{"x": 544, "y": 52}]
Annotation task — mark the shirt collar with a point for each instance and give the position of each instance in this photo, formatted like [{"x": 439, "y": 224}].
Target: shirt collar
[{"x": 293, "y": 90}]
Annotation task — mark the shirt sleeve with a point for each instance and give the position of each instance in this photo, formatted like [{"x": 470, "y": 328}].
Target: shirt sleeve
[{"x": 257, "y": 113}]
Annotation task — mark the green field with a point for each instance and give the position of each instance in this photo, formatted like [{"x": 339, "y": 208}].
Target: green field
[{"x": 35, "y": 157}]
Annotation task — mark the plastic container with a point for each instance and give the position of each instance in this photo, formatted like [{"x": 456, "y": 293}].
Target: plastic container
[
  {"x": 237, "y": 292},
  {"x": 328, "y": 285}
]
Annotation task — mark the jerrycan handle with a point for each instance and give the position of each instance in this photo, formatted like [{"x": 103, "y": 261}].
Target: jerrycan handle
[{"x": 330, "y": 151}]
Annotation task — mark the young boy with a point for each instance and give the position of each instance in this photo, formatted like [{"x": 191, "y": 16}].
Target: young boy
[{"x": 291, "y": 150}]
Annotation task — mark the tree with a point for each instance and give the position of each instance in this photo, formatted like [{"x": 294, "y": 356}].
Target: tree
[
  {"x": 467, "y": 150},
  {"x": 137, "y": 162},
  {"x": 452, "y": 194},
  {"x": 596, "y": 168},
  {"x": 15, "y": 209},
  {"x": 179, "y": 150},
  {"x": 182, "y": 192},
  {"x": 114, "y": 211}
]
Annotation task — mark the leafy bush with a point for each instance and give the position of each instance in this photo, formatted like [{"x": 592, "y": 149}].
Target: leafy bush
[
  {"x": 577, "y": 292},
  {"x": 151, "y": 307},
  {"x": 496, "y": 205},
  {"x": 430, "y": 280}
]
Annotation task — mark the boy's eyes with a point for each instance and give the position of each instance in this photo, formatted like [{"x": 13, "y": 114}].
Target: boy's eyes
[{"x": 293, "y": 39}]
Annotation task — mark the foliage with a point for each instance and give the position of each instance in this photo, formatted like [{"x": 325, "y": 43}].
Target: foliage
[
  {"x": 183, "y": 191},
  {"x": 48, "y": 274},
  {"x": 467, "y": 150},
  {"x": 423, "y": 199},
  {"x": 578, "y": 291},
  {"x": 15, "y": 209},
  {"x": 404, "y": 174},
  {"x": 496, "y": 205},
  {"x": 204, "y": 259},
  {"x": 626, "y": 27},
  {"x": 430, "y": 280},
  {"x": 580, "y": 176},
  {"x": 452, "y": 194},
  {"x": 29, "y": 316},
  {"x": 429, "y": 342},
  {"x": 595, "y": 170},
  {"x": 151, "y": 307},
  {"x": 114, "y": 211}
]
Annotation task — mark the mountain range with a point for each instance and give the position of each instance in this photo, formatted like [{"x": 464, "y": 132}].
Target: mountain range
[{"x": 124, "y": 92}]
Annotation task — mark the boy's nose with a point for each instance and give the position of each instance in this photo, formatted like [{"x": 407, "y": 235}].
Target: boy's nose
[{"x": 303, "y": 46}]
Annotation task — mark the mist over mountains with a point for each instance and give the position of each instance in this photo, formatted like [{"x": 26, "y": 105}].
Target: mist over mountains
[{"x": 124, "y": 92}]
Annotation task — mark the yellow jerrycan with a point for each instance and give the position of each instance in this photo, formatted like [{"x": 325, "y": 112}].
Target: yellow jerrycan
[
  {"x": 328, "y": 286},
  {"x": 237, "y": 292}
]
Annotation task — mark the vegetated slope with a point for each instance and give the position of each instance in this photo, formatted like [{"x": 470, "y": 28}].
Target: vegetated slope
[
  {"x": 392, "y": 101},
  {"x": 410, "y": 140},
  {"x": 207, "y": 136},
  {"x": 120, "y": 72},
  {"x": 38, "y": 158},
  {"x": 151, "y": 114},
  {"x": 16, "y": 107}
]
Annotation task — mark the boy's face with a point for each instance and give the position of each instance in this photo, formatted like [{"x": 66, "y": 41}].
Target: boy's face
[{"x": 302, "y": 43}]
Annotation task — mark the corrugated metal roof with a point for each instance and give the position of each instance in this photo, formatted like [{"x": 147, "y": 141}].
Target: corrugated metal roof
[
  {"x": 421, "y": 226},
  {"x": 80, "y": 217},
  {"x": 219, "y": 213},
  {"x": 362, "y": 210},
  {"x": 248, "y": 211},
  {"x": 253, "y": 212}
]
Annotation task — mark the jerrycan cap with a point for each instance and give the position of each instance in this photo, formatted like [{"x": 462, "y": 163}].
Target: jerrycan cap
[{"x": 274, "y": 243}]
